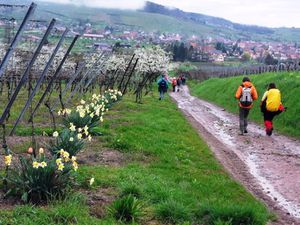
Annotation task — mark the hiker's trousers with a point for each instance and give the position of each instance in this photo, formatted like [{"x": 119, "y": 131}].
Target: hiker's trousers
[{"x": 243, "y": 119}]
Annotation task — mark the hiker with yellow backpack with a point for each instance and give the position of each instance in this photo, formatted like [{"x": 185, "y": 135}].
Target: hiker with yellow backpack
[{"x": 271, "y": 106}]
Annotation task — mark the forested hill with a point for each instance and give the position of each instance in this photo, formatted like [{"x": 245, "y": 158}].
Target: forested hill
[{"x": 151, "y": 7}]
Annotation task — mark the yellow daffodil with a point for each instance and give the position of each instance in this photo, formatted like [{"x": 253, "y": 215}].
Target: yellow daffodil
[
  {"x": 97, "y": 112},
  {"x": 89, "y": 137},
  {"x": 92, "y": 180},
  {"x": 73, "y": 158},
  {"x": 75, "y": 166},
  {"x": 61, "y": 167},
  {"x": 35, "y": 164},
  {"x": 79, "y": 108},
  {"x": 72, "y": 127},
  {"x": 61, "y": 151},
  {"x": 101, "y": 119},
  {"x": 7, "y": 159},
  {"x": 55, "y": 134},
  {"x": 43, "y": 164},
  {"x": 71, "y": 139},
  {"x": 79, "y": 136},
  {"x": 68, "y": 111},
  {"x": 41, "y": 151},
  {"x": 66, "y": 154},
  {"x": 58, "y": 161},
  {"x": 81, "y": 113},
  {"x": 82, "y": 102}
]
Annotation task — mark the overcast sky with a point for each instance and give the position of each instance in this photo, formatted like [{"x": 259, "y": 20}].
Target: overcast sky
[{"x": 271, "y": 13}]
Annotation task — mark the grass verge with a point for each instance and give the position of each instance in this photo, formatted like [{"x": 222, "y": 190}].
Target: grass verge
[
  {"x": 178, "y": 172},
  {"x": 222, "y": 91}
]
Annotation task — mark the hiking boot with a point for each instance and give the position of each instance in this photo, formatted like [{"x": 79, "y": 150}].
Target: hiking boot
[
  {"x": 245, "y": 131},
  {"x": 269, "y": 131}
]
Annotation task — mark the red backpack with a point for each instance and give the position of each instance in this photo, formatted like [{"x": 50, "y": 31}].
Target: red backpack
[{"x": 174, "y": 82}]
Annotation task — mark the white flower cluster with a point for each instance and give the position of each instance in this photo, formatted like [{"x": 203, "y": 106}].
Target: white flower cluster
[
  {"x": 91, "y": 59},
  {"x": 152, "y": 60},
  {"x": 44, "y": 57},
  {"x": 113, "y": 94},
  {"x": 115, "y": 62},
  {"x": 2, "y": 51},
  {"x": 16, "y": 63}
]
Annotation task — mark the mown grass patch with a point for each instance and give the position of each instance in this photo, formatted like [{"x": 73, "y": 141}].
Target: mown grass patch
[{"x": 222, "y": 91}]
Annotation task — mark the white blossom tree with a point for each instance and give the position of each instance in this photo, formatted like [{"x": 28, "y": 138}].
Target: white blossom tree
[{"x": 153, "y": 62}]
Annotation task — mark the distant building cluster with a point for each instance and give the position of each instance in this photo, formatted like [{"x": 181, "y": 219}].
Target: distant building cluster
[{"x": 196, "y": 48}]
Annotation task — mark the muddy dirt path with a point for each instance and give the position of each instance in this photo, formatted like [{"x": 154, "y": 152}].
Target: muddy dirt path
[{"x": 269, "y": 167}]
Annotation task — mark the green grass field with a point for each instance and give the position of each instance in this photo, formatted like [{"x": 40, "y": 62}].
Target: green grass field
[
  {"x": 173, "y": 171},
  {"x": 222, "y": 91}
]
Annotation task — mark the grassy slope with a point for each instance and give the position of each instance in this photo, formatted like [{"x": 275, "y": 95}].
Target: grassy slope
[
  {"x": 169, "y": 163},
  {"x": 221, "y": 92},
  {"x": 157, "y": 22}
]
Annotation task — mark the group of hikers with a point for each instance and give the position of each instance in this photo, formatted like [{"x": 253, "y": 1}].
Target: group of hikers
[
  {"x": 246, "y": 94},
  {"x": 164, "y": 81},
  {"x": 270, "y": 104}
]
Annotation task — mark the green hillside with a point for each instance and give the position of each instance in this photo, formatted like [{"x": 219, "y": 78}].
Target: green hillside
[{"x": 222, "y": 91}]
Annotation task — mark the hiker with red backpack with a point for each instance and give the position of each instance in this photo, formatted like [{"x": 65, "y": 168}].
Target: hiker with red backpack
[
  {"x": 271, "y": 106},
  {"x": 162, "y": 86},
  {"x": 174, "y": 83},
  {"x": 246, "y": 94}
]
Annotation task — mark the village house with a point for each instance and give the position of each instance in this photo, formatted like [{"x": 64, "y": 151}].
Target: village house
[{"x": 93, "y": 36}]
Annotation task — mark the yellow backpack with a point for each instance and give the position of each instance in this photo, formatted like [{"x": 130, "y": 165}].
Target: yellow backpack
[{"x": 273, "y": 100}]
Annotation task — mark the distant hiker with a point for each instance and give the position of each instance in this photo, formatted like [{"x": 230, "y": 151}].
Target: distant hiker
[
  {"x": 174, "y": 83},
  {"x": 183, "y": 79},
  {"x": 271, "y": 106},
  {"x": 246, "y": 94},
  {"x": 178, "y": 83},
  {"x": 162, "y": 86}
]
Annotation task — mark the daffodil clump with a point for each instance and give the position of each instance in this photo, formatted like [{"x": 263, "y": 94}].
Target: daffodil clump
[
  {"x": 87, "y": 115},
  {"x": 64, "y": 158},
  {"x": 68, "y": 140},
  {"x": 39, "y": 178},
  {"x": 81, "y": 122}
]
